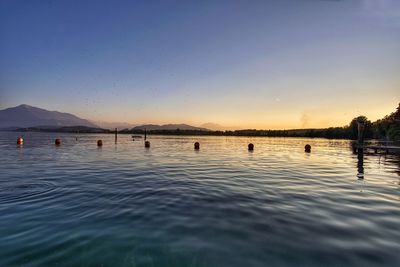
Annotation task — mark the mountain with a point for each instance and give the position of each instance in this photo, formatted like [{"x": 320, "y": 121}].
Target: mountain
[
  {"x": 63, "y": 129},
  {"x": 28, "y": 116},
  {"x": 213, "y": 126},
  {"x": 152, "y": 127},
  {"x": 113, "y": 125},
  {"x": 218, "y": 127}
]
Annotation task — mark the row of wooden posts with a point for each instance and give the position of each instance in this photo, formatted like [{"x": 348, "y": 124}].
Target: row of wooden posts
[{"x": 57, "y": 142}]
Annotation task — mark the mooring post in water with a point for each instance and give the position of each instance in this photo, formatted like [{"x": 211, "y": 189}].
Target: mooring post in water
[
  {"x": 360, "y": 148},
  {"x": 57, "y": 142},
  {"x": 116, "y": 132},
  {"x": 307, "y": 148},
  {"x": 147, "y": 144},
  {"x": 145, "y": 134},
  {"x": 360, "y": 163},
  {"x": 20, "y": 140},
  {"x": 197, "y": 145},
  {"x": 250, "y": 147},
  {"x": 360, "y": 128}
]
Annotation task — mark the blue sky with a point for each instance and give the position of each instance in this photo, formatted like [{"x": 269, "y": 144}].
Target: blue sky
[{"x": 258, "y": 64}]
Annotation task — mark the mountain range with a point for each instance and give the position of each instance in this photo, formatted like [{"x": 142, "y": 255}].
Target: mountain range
[
  {"x": 28, "y": 116},
  {"x": 152, "y": 127},
  {"x": 25, "y": 116}
]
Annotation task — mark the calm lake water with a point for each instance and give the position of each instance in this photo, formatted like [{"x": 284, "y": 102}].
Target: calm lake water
[{"x": 124, "y": 205}]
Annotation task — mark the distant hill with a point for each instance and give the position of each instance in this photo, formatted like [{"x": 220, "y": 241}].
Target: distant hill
[
  {"x": 213, "y": 126},
  {"x": 218, "y": 127},
  {"x": 169, "y": 127},
  {"x": 27, "y": 116},
  {"x": 113, "y": 125},
  {"x": 63, "y": 129}
]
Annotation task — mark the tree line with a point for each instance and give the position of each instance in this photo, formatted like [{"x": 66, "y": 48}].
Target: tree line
[{"x": 387, "y": 128}]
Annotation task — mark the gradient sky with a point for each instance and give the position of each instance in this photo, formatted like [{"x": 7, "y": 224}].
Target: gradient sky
[{"x": 243, "y": 64}]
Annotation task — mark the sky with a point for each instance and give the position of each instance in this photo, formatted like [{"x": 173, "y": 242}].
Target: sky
[{"x": 241, "y": 64}]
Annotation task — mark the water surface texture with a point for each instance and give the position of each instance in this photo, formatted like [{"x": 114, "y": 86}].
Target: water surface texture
[{"x": 124, "y": 205}]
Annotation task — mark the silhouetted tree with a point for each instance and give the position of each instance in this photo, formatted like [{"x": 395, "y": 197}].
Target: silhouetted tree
[
  {"x": 389, "y": 126},
  {"x": 353, "y": 127}
]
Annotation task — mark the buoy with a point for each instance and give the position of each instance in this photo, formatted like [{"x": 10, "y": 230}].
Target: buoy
[
  {"x": 99, "y": 143},
  {"x": 307, "y": 148},
  {"x": 147, "y": 144},
  {"x": 197, "y": 145},
  {"x": 251, "y": 147},
  {"x": 20, "y": 141},
  {"x": 57, "y": 142}
]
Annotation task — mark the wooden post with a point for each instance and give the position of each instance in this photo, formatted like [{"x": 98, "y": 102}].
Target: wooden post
[
  {"x": 360, "y": 137},
  {"x": 145, "y": 134},
  {"x": 360, "y": 163},
  {"x": 147, "y": 144},
  {"x": 116, "y": 132}
]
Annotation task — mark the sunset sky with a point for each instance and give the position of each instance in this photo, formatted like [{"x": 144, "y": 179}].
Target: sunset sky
[{"x": 241, "y": 64}]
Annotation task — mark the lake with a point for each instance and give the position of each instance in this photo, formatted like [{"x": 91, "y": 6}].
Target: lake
[{"x": 124, "y": 205}]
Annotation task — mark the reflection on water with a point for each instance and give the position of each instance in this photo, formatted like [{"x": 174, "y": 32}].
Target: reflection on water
[{"x": 171, "y": 205}]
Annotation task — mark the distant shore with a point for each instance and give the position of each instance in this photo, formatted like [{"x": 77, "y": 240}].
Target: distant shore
[
  {"x": 330, "y": 133},
  {"x": 387, "y": 128}
]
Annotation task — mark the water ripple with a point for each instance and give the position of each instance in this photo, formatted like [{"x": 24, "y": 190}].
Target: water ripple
[
  {"x": 123, "y": 205},
  {"x": 16, "y": 192}
]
